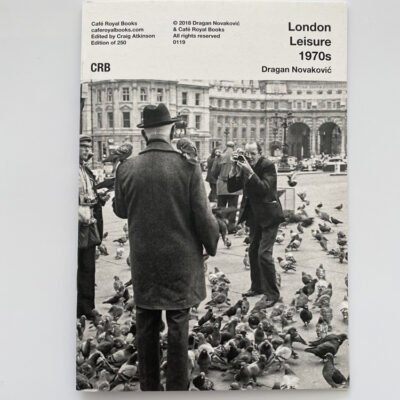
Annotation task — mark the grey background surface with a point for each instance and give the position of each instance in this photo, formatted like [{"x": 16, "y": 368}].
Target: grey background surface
[{"x": 39, "y": 106}]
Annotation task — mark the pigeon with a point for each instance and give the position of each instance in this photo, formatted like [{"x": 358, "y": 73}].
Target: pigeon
[
  {"x": 204, "y": 361},
  {"x": 117, "y": 310},
  {"x": 291, "y": 179},
  {"x": 286, "y": 265},
  {"x": 103, "y": 249},
  {"x": 82, "y": 382},
  {"x": 309, "y": 288},
  {"x": 127, "y": 372},
  {"x": 231, "y": 311},
  {"x": 319, "y": 205},
  {"x": 344, "y": 309},
  {"x": 105, "y": 235},
  {"x": 290, "y": 380},
  {"x": 320, "y": 272},
  {"x": 266, "y": 349},
  {"x": 245, "y": 305},
  {"x": 300, "y": 228},
  {"x": 121, "y": 240},
  {"x": 327, "y": 314},
  {"x": 227, "y": 243},
  {"x": 323, "y": 215},
  {"x": 119, "y": 253},
  {"x": 200, "y": 382},
  {"x": 121, "y": 356},
  {"x": 280, "y": 238},
  {"x": 302, "y": 196},
  {"x": 339, "y": 207},
  {"x": 324, "y": 244},
  {"x": 324, "y": 228},
  {"x": 284, "y": 351},
  {"x": 335, "y": 221},
  {"x": 290, "y": 257},
  {"x": 306, "y": 315},
  {"x": 251, "y": 371},
  {"x": 118, "y": 284},
  {"x": 87, "y": 346},
  {"x": 330, "y": 346},
  {"x": 301, "y": 300},
  {"x": 306, "y": 278},
  {"x": 332, "y": 336},
  {"x": 206, "y": 317},
  {"x": 331, "y": 374},
  {"x": 321, "y": 328},
  {"x": 294, "y": 245}
]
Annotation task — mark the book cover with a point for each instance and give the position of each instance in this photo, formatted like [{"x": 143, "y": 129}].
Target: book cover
[{"x": 212, "y": 251}]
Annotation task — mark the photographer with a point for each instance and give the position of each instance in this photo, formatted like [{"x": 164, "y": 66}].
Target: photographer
[{"x": 262, "y": 212}]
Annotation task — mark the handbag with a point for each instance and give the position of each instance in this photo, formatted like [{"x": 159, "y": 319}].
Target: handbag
[{"x": 88, "y": 235}]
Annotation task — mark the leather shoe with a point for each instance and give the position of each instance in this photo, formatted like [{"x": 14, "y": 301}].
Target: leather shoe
[
  {"x": 270, "y": 303},
  {"x": 251, "y": 293}
]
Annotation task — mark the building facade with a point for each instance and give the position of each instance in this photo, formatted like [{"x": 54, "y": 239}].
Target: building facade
[{"x": 310, "y": 117}]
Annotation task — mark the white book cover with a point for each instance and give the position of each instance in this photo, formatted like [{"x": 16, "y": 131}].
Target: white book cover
[{"x": 213, "y": 196}]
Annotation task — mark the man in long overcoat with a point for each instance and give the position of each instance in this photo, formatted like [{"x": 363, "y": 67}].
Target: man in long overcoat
[{"x": 162, "y": 195}]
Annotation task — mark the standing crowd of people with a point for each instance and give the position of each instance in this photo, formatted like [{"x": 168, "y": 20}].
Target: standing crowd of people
[{"x": 162, "y": 195}]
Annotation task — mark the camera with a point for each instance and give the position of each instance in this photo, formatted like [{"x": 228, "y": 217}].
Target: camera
[{"x": 241, "y": 158}]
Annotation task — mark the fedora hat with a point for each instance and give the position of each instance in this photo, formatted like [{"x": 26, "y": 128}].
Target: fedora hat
[{"x": 156, "y": 116}]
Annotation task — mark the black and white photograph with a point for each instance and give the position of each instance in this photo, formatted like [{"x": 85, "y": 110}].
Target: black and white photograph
[{"x": 213, "y": 235}]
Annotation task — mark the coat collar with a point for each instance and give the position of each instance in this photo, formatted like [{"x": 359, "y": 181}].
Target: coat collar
[
  {"x": 158, "y": 145},
  {"x": 258, "y": 164}
]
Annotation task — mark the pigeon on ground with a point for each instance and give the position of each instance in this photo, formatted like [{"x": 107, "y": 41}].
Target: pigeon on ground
[{"x": 331, "y": 374}]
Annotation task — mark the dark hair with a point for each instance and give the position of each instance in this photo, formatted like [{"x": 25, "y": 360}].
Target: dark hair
[{"x": 259, "y": 148}]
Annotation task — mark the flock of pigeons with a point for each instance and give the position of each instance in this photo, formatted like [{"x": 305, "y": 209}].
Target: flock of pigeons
[{"x": 238, "y": 345}]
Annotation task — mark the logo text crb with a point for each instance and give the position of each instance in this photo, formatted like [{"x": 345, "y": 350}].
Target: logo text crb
[{"x": 100, "y": 67}]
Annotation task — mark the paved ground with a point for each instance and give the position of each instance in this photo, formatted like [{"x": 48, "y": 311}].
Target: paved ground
[{"x": 331, "y": 191}]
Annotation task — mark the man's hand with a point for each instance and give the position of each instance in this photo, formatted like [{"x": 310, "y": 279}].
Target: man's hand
[
  {"x": 245, "y": 167},
  {"x": 105, "y": 197}
]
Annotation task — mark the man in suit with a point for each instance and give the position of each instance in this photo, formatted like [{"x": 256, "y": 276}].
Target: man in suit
[
  {"x": 220, "y": 170},
  {"x": 90, "y": 212},
  {"x": 162, "y": 195},
  {"x": 256, "y": 175}
]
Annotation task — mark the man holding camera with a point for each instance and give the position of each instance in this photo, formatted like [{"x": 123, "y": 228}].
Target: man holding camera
[{"x": 262, "y": 212}]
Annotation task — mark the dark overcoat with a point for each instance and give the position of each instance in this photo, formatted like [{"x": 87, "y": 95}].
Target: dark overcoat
[
  {"x": 170, "y": 221},
  {"x": 260, "y": 189}
]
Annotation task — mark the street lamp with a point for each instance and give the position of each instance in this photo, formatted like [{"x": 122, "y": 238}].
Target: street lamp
[
  {"x": 286, "y": 121},
  {"x": 226, "y": 133}
]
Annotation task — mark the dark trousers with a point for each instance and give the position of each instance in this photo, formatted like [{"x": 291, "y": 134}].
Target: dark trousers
[
  {"x": 86, "y": 281},
  {"x": 262, "y": 266},
  {"x": 148, "y": 343},
  {"x": 226, "y": 200},
  {"x": 212, "y": 196}
]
